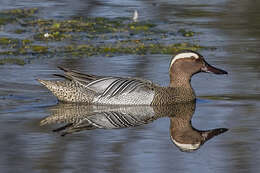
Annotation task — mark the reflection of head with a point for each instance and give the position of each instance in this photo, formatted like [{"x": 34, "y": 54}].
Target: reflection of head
[
  {"x": 192, "y": 140},
  {"x": 186, "y": 147},
  {"x": 183, "y": 135}
]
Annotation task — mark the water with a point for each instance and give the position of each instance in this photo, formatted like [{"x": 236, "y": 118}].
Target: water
[{"x": 230, "y": 101}]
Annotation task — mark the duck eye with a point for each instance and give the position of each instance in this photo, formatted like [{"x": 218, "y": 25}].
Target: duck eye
[
  {"x": 197, "y": 59},
  {"x": 193, "y": 58}
]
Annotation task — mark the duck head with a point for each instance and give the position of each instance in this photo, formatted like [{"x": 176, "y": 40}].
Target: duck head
[{"x": 188, "y": 63}]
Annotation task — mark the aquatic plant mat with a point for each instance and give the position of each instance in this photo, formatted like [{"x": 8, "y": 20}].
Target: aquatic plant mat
[{"x": 29, "y": 37}]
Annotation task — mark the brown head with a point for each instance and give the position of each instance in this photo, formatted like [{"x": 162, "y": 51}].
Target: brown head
[{"x": 187, "y": 63}]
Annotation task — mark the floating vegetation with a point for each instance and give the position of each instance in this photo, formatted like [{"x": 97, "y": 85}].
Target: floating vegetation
[
  {"x": 21, "y": 13},
  {"x": 84, "y": 37},
  {"x": 7, "y": 41},
  {"x": 39, "y": 49},
  {"x": 139, "y": 48},
  {"x": 57, "y": 36},
  {"x": 186, "y": 33},
  {"x": 16, "y": 61},
  {"x": 14, "y": 15},
  {"x": 87, "y": 50},
  {"x": 19, "y": 31}
]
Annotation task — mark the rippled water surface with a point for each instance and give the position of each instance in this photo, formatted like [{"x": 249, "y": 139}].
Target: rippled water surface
[{"x": 230, "y": 101}]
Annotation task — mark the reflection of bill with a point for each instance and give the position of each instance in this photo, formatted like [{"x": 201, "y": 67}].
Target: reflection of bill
[
  {"x": 187, "y": 138},
  {"x": 79, "y": 117}
]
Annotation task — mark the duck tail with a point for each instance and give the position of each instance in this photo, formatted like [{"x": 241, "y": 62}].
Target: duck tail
[
  {"x": 63, "y": 69},
  {"x": 44, "y": 82},
  {"x": 53, "y": 86}
]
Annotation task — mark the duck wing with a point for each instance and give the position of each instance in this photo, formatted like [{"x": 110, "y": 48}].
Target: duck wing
[
  {"x": 107, "y": 87},
  {"x": 74, "y": 75},
  {"x": 114, "y": 86}
]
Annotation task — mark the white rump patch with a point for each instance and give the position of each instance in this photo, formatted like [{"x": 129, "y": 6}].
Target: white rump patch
[
  {"x": 184, "y": 55},
  {"x": 186, "y": 147}
]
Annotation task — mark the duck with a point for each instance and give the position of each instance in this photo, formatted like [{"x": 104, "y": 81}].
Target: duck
[{"x": 79, "y": 87}]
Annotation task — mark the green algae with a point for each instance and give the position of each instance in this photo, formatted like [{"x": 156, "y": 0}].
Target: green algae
[
  {"x": 26, "y": 42},
  {"x": 16, "y": 61},
  {"x": 186, "y": 33},
  {"x": 12, "y": 46},
  {"x": 54, "y": 36},
  {"x": 14, "y": 15},
  {"x": 39, "y": 49},
  {"x": 92, "y": 26},
  {"x": 7, "y": 41},
  {"x": 141, "y": 26},
  {"x": 21, "y": 12},
  {"x": 5, "y": 20},
  {"x": 139, "y": 49},
  {"x": 84, "y": 37},
  {"x": 19, "y": 31}
]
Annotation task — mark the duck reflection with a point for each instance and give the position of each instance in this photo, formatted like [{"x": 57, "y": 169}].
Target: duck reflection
[{"x": 78, "y": 117}]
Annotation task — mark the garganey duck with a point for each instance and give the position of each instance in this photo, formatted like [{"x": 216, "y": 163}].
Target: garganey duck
[{"x": 110, "y": 90}]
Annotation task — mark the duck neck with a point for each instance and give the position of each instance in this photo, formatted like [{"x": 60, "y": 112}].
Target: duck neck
[
  {"x": 180, "y": 80},
  {"x": 181, "y": 84}
]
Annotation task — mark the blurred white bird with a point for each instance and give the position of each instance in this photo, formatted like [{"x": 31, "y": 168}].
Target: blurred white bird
[
  {"x": 46, "y": 35},
  {"x": 135, "y": 17}
]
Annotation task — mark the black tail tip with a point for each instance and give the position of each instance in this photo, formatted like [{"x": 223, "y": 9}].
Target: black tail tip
[{"x": 63, "y": 68}]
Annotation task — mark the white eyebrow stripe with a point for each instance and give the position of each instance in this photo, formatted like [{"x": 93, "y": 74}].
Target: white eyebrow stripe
[{"x": 184, "y": 55}]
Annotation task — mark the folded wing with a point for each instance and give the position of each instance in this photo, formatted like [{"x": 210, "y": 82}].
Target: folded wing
[{"x": 114, "y": 90}]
